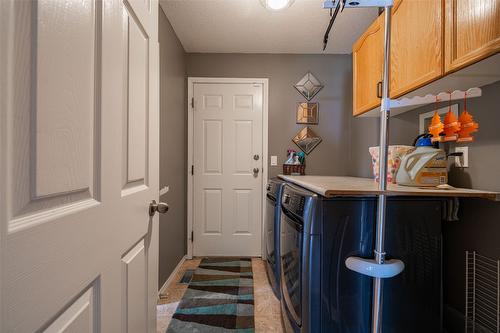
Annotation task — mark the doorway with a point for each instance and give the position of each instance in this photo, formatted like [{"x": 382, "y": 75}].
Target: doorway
[{"x": 227, "y": 158}]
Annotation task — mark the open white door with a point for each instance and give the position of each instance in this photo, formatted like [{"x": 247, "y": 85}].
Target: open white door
[{"x": 78, "y": 165}]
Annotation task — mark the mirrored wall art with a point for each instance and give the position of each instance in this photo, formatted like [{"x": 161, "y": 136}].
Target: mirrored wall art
[
  {"x": 308, "y": 86},
  {"x": 307, "y": 140},
  {"x": 307, "y": 113}
]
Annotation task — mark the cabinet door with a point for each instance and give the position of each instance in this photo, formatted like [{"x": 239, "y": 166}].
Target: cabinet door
[
  {"x": 472, "y": 31},
  {"x": 367, "y": 59},
  {"x": 416, "y": 44}
]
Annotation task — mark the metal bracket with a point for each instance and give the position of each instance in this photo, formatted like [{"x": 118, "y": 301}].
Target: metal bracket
[
  {"x": 331, "y": 4},
  {"x": 370, "y": 267}
]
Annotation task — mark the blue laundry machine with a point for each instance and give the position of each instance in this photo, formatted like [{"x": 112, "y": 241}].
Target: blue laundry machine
[
  {"x": 272, "y": 233},
  {"x": 319, "y": 293}
]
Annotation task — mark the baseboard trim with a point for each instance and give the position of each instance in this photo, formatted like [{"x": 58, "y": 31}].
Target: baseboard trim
[{"x": 172, "y": 275}]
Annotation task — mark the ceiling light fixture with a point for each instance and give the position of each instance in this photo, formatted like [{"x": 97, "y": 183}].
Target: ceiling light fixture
[{"x": 276, "y": 5}]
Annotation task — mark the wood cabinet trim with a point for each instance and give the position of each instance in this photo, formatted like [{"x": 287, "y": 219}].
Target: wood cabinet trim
[{"x": 372, "y": 29}]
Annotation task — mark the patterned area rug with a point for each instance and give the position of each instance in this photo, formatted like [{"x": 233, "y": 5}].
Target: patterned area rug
[{"x": 219, "y": 298}]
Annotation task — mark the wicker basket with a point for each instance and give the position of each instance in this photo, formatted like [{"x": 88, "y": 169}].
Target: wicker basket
[{"x": 289, "y": 169}]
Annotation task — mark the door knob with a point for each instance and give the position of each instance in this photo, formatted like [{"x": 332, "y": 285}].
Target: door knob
[
  {"x": 160, "y": 207},
  {"x": 255, "y": 170}
]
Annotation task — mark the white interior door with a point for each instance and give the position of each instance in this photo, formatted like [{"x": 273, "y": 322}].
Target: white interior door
[
  {"x": 78, "y": 165},
  {"x": 227, "y": 156}
]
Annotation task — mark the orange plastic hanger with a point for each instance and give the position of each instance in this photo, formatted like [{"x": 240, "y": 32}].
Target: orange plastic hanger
[
  {"x": 436, "y": 126},
  {"x": 451, "y": 125},
  {"x": 467, "y": 124}
]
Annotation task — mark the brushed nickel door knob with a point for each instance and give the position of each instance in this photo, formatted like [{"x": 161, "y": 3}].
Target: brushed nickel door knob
[{"x": 160, "y": 207}]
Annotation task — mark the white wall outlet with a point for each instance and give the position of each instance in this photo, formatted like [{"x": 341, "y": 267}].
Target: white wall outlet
[
  {"x": 462, "y": 161},
  {"x": 274, "y": 160}
]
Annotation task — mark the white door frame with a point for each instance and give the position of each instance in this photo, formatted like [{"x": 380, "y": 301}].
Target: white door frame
[{"x": 190, "y": 109}]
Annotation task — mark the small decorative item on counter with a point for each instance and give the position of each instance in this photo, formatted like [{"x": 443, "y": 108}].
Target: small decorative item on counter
[
  {"x": 467, "y": 124},
  {"x": 451, "y": 125},
  {"x": 295, "y": 164},
  {"x": 302, "y": 157},
  {"x": 290, "y": 153},
  {"x": 394, "y": 155}
]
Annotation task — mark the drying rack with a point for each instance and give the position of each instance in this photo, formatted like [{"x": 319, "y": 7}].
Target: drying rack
[
  {"x": 482, "y": 293},
  {"x": 379, "y": 268}
]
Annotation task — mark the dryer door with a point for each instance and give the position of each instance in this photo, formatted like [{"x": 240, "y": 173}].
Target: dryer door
[
  {"x": 269, "y": 229},
  {"x": 291, "y": 264}
]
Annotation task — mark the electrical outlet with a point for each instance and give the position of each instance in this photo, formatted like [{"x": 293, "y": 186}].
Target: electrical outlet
[
  {"x": 274, "y": 160},
  {"x": 462, "y": 161}
]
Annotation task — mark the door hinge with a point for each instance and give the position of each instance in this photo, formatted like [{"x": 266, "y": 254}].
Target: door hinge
[
  {"x": 192, "y": 169},
  {"x": 192, "y": 102},
  {"x": 192, "y": 236}
]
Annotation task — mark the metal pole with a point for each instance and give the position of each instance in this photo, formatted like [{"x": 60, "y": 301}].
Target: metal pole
[{"x": 382, "y": 200}]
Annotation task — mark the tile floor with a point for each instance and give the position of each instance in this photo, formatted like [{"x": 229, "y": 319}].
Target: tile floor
[{"x": 266, "y": 307}]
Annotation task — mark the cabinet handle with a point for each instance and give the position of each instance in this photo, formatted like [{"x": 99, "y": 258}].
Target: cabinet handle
[{"x": 379, "y": 89}]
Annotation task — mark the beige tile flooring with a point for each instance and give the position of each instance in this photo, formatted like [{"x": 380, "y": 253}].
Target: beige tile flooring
[{"x": 266, "y": 308}]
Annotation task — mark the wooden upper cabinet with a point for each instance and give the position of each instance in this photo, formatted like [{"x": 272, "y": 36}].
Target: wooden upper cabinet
[
  {"x": 429, "y": 39},
  {"x": 416, "y": 44},
  {"x": 367, "y": 58},
  {"x": 472, "y": 31}
]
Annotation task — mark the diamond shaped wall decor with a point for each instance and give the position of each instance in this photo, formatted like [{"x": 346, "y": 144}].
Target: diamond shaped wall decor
[
  {"x": 308, "y": 86},
  {"x": 307, "y": 113},
  {"x": 307, "y": 140}
]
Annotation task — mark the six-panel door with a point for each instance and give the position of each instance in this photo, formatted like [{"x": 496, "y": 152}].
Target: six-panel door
[
  {"x": 78, "y": 166},
  {"x": 227, "y": 155}
]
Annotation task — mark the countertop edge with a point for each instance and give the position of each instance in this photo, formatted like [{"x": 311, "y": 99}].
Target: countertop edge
[{"x": 328, "y": 191}]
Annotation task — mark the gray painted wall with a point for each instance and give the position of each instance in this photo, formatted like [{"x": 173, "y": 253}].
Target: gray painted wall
[
  {"x": 331, "y": 157},
  {"x": 479, "y": 225},
  {"x": 173, "y": 148},
  {"x": 484, "y": 152}
]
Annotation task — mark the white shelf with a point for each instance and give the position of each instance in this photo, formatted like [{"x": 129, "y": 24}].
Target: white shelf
[{"x": 411, "y": 102}]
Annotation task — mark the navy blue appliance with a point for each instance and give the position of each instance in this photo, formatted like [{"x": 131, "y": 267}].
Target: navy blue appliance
[
  {"x": 272, "y": 233},
  {"x": 321, "y": 295}
]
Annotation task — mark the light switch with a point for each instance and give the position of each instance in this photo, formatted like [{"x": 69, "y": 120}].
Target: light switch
[{"x": 274, "y": 160}]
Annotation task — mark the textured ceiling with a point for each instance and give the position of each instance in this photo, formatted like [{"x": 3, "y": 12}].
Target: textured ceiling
[{"x": 245, "y": 26}]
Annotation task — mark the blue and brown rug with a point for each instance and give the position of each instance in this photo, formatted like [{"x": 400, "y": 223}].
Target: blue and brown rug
[{"x": 219, "y": 298}]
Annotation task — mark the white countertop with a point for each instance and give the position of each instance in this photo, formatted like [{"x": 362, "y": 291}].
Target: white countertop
[{"x": 332, "y": 186}]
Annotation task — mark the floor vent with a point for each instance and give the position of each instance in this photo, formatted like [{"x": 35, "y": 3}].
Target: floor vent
[
  {"x": 482, "y": 294},
  {"x": 188, "y": 275}
]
